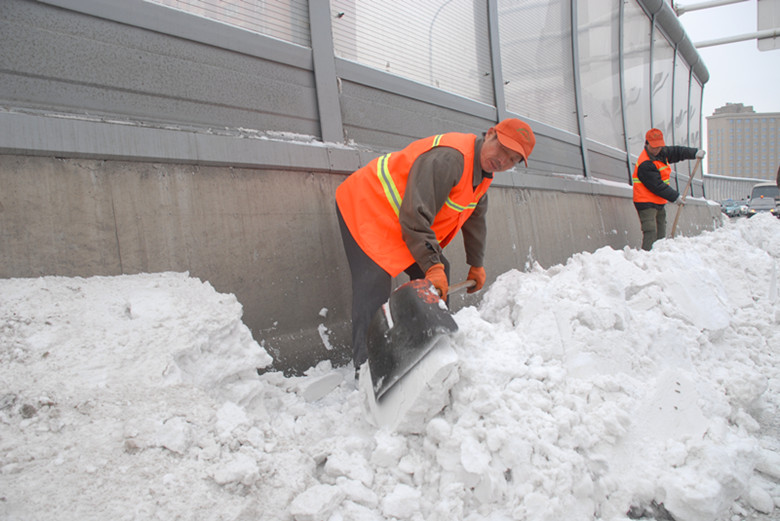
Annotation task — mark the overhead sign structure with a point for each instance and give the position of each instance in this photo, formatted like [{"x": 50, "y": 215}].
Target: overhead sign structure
[{"x": 768, "y": 12}]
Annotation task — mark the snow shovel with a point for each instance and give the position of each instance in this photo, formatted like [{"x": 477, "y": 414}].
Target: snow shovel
[
  {"x": 405, "y": 329},
  {"x": 684, "y": 194}
]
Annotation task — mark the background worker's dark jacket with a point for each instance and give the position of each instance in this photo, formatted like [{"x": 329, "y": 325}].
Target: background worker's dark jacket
[{"x": 650, "y": 177}]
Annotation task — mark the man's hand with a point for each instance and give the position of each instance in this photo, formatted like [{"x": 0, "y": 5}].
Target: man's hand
[
  {"x": 478, "y": 275},
  {"x": 679, "y": 201},
  {"x": 439, "y": 279},
  {"x": 700, "y": 153}
]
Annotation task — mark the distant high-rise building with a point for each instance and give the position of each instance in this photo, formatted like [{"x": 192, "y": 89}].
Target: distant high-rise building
[{"x": 742, "y": 142}]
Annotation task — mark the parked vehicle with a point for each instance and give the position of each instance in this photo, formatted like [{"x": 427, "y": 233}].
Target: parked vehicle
[
  {"x": 730, "y": 207},
  {"x": 764, "y": 198}
]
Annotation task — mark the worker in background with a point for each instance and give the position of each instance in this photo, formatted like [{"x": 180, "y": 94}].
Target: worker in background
[
  {"x": 397, "y": 213},
  {"x": 651, "y": 184}
]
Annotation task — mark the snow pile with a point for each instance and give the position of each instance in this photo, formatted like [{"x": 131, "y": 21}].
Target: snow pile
[{"x": 623, "y": 384}]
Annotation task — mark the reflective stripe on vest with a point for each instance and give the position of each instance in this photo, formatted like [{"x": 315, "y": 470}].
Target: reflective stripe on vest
[
  {"x": 388, "y": 185},
  {"x": 391, "y": 191},
  {"x": 665, "y": 176},
  {"x": 458, "y": 208}
]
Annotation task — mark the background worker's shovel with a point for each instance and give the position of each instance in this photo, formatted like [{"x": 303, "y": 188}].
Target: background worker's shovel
[
  {"x": 405, "y": 329},
  {"x": 683, "y": 195}
]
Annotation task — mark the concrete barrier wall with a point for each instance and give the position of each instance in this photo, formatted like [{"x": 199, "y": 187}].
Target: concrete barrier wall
[{"x": 271, "y": 237}]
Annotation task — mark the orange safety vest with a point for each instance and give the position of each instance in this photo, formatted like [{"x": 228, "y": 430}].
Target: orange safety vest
[
  {"x": 641, "y": 193},
  {"x": 370, "y": 201}
]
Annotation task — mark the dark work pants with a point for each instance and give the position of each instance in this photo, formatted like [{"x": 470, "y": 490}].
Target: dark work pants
[
  {"x": 653, "y": 221},
  {"x": 371, "y": 287}
]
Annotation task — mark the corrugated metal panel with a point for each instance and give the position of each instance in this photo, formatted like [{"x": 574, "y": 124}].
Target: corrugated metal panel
[
  {"x": 636, "y": 54},
  {"x": 536, "y": 55},
  {"x": 442, "y": 43},
  {"x": 598, "y": 26},
  {"x": 96, "y": 68},
  {"x": 681, "y": 82},
  {"x": 663, "y": 72},
  {"x": 694, "y": 114},
  {"x": 287, "y": 20}
]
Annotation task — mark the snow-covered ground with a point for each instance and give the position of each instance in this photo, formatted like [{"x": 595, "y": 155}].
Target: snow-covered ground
[{"x": 623, "y": 383}]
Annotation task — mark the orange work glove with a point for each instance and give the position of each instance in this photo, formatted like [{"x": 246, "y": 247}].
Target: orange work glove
[
  {"x": 478, "y": 275},
  {"x": 439, "y": 279}
]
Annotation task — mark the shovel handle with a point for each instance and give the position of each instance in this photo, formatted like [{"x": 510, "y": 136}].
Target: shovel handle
[
  {"x": 462, "y": 285},
  {"x": 683, "y": 195}
]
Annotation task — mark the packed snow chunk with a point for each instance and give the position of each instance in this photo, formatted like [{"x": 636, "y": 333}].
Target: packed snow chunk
[
  {"x": 389, "y": 449},
  {"x": 759, "y": 499},
  {"x": 474, "y": 456},
  {"x": 402, "y": 502},
  {"x": 353, "y": 466},
  {"x": 315, "y": 388},
  {"x": 240, "y": 468},
  {"x": 438, "y": 430},
  {"x": 175, "y": 435},
  {"x": 317, "y": 503},
  {"x": 769, "y": 463},
  {"x": 697, "y": 292},
  {"x": 711, "y": 479},
  {"x": 694, "y": 500},
  {"x": 229, "y": 417},
  {"x": 672, "y": 411},
  {"x": 222, "y": 350},
  {"x": 418, "y": 396},
  {"x": 358, "y": 492}
]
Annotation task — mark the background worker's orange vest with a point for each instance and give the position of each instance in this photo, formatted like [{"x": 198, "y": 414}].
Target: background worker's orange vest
[
  {"x": 641, "y": 193},
  {"x": 370, "y": 200}
]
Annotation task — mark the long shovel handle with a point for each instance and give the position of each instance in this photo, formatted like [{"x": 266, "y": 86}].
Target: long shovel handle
[
  {"x": 461, "y": 286},
  {"x": 684, "y": 194}
]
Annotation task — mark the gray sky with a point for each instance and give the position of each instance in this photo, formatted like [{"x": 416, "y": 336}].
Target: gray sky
[{"x": 739, "y": 72}]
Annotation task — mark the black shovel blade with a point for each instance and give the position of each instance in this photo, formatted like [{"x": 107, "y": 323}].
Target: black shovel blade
[{"x": 403, "y": 331}]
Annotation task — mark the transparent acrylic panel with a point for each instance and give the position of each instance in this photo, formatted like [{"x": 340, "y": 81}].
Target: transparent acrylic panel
[
  {"x": 536, "y": 55},
  {"x": 287, "y": 20},
  {"x": 694, "y": 127},
  {"x": 694, "y": 114},
  {"x": 442, "y": 43},
  {"x": 599, "y": 40},
  {"x": 661, "y": 86},
  {"x": 681, "y": 81},
  {"x": 636, "y": 65}
]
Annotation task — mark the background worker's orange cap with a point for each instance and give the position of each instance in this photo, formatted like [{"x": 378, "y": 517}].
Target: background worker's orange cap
[
  {"x": 516, "y": 135},
  {"x": 655, "y": 138}
]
